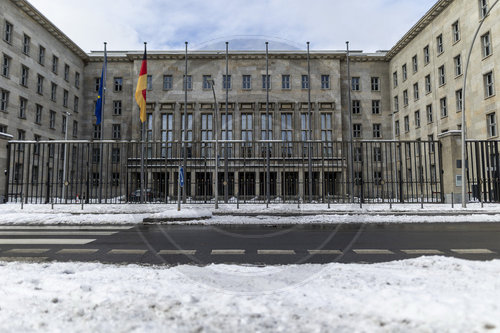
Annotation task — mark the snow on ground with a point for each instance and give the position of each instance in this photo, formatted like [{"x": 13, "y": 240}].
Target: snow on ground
[
  {"x": 428, "y": 294},
  {"x": 13, "y": 213}
]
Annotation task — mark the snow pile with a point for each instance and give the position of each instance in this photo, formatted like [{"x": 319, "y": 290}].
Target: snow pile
[
  {"x": 426, "y": 294},
  {"x": 185, "y": 213}
]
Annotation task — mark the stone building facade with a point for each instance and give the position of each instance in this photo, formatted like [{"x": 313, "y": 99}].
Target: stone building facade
[{"x": 411, "y": 92}]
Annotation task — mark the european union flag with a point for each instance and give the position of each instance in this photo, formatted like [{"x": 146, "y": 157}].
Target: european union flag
[{"x": 100, "y": 97}]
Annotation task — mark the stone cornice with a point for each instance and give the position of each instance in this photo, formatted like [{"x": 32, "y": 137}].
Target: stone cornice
[
  {"x": 38, "y": 17},
  {"x": 418, "y": 27}
]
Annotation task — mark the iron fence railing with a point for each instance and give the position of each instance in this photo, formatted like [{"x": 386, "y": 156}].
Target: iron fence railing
[
  {"x": 483, "y": 173},
  {"x": 110, "y": 171}
]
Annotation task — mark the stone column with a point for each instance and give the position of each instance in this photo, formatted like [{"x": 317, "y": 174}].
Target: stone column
[
  {"x": 4, "y": 138},
  {"x": 451, "y": 165}
]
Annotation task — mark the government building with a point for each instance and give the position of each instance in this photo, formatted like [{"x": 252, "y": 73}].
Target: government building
[{"x": 353, "y": 127}]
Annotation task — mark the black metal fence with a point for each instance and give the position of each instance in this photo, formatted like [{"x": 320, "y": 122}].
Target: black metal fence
[
  {"x": 483, "y": 173},
  {"x": 316, "y": 172}
]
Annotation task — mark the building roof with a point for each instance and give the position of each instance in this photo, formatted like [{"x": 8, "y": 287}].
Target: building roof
[
  {"x": 419, "y": 26},
  {"x": 50, "y": 27}
]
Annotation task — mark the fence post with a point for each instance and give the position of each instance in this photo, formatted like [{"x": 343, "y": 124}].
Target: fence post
[
  {"x": 452, "y": 200},
  {"x": 7, "y": 173},
  {"x": 238, "y": 200}
]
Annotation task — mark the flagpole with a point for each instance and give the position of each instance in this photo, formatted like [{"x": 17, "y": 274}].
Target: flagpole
[
  {"x": 101, "y": 148},
  {"x": 309, "y": 121},
  {"x": 184, "y": 142},
  {"x": 142, "y": 149},
  {"x": 351, "y": 152},
  {"x": 227, "y": 127},
  {"x": 268, "y": 171}
]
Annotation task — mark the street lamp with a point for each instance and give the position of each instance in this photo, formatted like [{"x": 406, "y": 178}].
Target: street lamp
[
  {"x": 216, "y": 130},
  {"x": 464, "y": 185},
  {"x": 65, "y": 182}
]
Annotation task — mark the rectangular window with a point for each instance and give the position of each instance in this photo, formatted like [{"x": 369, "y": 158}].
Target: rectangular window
[
  {"x": 358, "y": 154},
  {"x": 266, "y": 84},
  {"x": 286, "y": 127},
  {"x": 117, "y": 108},
  {"x": 407, "y": 124},
  {"x": 415, "y": 91},
  {"x": 305, "y": 82},
  {"x": 285, "y": 81},
  {"x": 118, "y": 84},
  {"x": 188, "y": 82},
  {"x": 65, "y": 98},
  {"x": 396, "y": 128},
  {"x": 167, "y": 82},
  {"x": 96, "y": 133},
  {"x": 189, "y": 126},
  {"x": 52, "y": 120},
  {"x": 355, "y": 84},
  {"x": 247, "y": 133},
  {"x": 442, "y": 75},
  {"x": 439, "y": 44},
  {"x": 7, "y": 33},
  {"x": 428, "y": 110},
  {"x": 97, "y": 83},
  {"x": 53, "y": 92},
  {"x": 206, "y": 134},
  {"x": 64, "y": 124},
  {"x": 115, "y": 179},
  {"x": 404, "y": 70},
  {"x": 375, "y": 106},
  {"x": 417, "y": 118},
  {"x": 444, "y": 107},
  {"x": 375, "y": 84},
  {"x": 75, "y": 128},
  {"x": 326, "y": 127},
  {"x": 489, "y": 86},
  {"x": 38, "y": 114},
  {"x": 247, "y": 82},
  {"x": 458, "y": 65},
  {"x": 66, "y": 72},
  {"x": 115, "y": 155},
  {"x": 3, "y": 128},
  {"x": 304, "y": 127},
  {"x": 76, "y": 103},
  {"x": 492, "y": 124},
  {"x": 459, "y": 98},
  {"x": 77, "y": 80},
  {"x": 55, "y": 64},
  {"x": 483, "y": 8},
  {"x": 26, "y": 44},
  {"x": 414, "y": 62},
  {"x": 395, "y": 79},
  {"x": 207, "y": 81},
  {"x": 21, "y": 135},
  {"x": 377, "y": 131},
  {"x": 24, "y": 75},
  {"x": 167, "y": 134},
  {"x": 4, "y": 100},
  {"x": 377, "y": 154},
  {"x": 325, "y": 81},
  {"x": 6, "y": 65},
  {"x": 227, "y": 131},
  {"x": 39, "y": 84},
  {"x": 23, "y": 103},
  {"x": 428, "y": 84},
  {"x": 455, "y": 29},
  {"x": 396, "y": 104},
  {"x": 486, "y": 44},
  {"x": 356, "y": 107},
  {"x": 226, "y": 82},
  {"x": 427, "y": 55},
  {"x": 263, "y": 127},
  {"x": 41, "y": 55},
  {"x": 405, "y": 97},
  {"x": 116, "y": 131},
  {"x": 356, "y": 130}
]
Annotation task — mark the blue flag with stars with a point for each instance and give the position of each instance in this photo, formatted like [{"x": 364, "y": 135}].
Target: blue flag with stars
[{"x": 100, "y": 97}]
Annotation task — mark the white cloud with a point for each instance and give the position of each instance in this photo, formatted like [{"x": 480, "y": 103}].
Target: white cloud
[{"x": 166, "y": 24}]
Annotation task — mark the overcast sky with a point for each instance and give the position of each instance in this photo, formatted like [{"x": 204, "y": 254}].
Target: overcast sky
[{"x": 369, "y": 25}]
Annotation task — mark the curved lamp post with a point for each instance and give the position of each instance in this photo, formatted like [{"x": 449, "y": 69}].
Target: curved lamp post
[
  {"x": 464, "y": 185},
  {"x": 212, "y": 83}
]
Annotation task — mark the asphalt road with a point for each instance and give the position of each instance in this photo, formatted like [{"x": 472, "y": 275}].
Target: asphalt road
[{"x": 255, "y": 245}]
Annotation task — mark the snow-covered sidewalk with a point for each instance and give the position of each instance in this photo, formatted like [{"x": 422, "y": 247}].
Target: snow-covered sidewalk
[
  {"x": 246, "y": 213},
  {"x": 429, "y": 294}
]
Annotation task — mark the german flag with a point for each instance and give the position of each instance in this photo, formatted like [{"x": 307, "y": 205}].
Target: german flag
[{"x": 140, "y": 92}]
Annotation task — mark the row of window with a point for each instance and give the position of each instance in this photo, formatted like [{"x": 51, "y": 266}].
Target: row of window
[
  {"x": 246, "y": 83},
  {"x": 26, "y": 48},
  {"x": 486, "y": 49}
]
